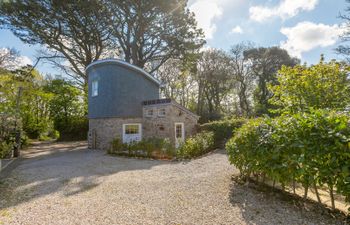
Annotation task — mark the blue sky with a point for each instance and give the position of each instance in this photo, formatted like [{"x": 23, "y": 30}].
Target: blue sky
[{"x": 306, "y": 28}]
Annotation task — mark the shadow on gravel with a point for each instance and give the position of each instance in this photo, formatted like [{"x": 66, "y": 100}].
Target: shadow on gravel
[
  {"x": 262, "y": 205},
  {"x": 67, "y": 170}
]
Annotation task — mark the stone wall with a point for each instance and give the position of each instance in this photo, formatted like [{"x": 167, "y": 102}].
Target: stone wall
[
  {"x": 106, "y": 129},
  {"x": 103, "y": 131},
  {"x": 164, "y": 126}
]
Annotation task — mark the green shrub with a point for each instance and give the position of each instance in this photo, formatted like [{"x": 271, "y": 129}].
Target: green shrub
[
  {"x": 7, "y": 134},
  {"x": 75, "y": 129},
  {"x": 116, "y": 146},
  {"x": 54, "y": 134},
  {"x": 5, "y": 149},
  {"x": 151, "y": 148},
  {"x": 312, "y": 149},
  {"x": 24, "y": 140},
  {"x": 223, "y": 129},
  {"x": 197, "y": 145}
]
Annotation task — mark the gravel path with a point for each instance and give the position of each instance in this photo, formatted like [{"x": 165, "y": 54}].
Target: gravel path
[{"x": 67, "y": 184}]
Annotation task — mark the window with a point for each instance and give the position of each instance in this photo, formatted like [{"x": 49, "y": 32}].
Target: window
[
  {"x": 132, "y": 129},
  {"x": 178, "y": 130},
  {"x": 161, "y": 112},
  {"x": 94, "y": 91},
  {"x": 149, "y": 112},
  {"x": 132, "y": 132}
]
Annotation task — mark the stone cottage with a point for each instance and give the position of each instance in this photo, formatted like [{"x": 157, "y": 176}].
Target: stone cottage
[{"x": 124, "y": 103}]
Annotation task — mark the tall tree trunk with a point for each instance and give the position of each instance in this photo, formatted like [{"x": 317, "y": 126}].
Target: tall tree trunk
[
  {"x": 331, "y": 194},
  {"x": 316, "y": 191}
]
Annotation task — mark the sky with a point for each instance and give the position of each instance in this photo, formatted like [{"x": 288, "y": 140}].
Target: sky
[{"x": 305, "y": 28}]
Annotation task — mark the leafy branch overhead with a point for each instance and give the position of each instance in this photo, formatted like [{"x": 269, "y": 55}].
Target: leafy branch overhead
[{"x": 76, "y": 33}]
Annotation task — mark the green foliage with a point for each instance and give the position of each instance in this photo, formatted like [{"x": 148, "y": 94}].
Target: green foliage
[
  {"x": 5, "y": 149},
  {"x": 22, "y": 95},
  {"x": 150, "y": 148},
  {"x": 80, "y": 32},
  {"x": 309, "y": 148},
  {"x": 7, "y": 126},
  {"x": 44, "y": 106},
  {"x": 76, "y": 129},
  {"x": 197, "y": 145},
  {"x": 222, "y": 129},
  {"x": 54, "y": 134},
  {"x": 24, "y": 140},
  {"x": 265, "y": 64},
  {"x": 67, "y": 110},
  {"x": 321, "y": 86}
]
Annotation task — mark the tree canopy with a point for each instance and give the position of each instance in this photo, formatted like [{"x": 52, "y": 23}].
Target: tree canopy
[
  {"x": 265, "y": 64},
  {"x": 321, "y": 86},
  {"x": 76, "y": 33}
]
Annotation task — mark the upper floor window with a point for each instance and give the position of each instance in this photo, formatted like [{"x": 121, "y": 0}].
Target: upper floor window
[
  {"x": 161, "y": 112},
  {"x": 94, "y": 91},
  {"x": 149, "y": 112}
]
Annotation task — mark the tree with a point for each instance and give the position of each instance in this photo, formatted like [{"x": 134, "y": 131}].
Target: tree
[
  {"x": 33, "y": 102},
  {"x": 242, "y": 72},
  {"x": 72, "y": 31},
  {"x": 76, "y": 33},
  {"x": 344, "y": 49},
  {"x": 66, "y": 109},
  {"x": 178, "y": 78},
  {"x": 321, "y": 86},
  {"x": 214, "y": 80},
  {"x": 8, "y": 57},
  {"x": 265, "y": 64},
  {"x": 153, "y": 31}
]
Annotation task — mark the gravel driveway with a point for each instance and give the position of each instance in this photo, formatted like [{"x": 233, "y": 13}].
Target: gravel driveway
[{"x": 68, "y": 184}]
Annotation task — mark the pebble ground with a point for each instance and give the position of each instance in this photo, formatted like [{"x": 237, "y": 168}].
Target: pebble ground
[{"x": 68, "y": 184}]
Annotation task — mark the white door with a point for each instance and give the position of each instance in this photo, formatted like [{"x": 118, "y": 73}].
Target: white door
[
  {"x": 132, "y": 132},
  {"x": 179, "y": 134}
]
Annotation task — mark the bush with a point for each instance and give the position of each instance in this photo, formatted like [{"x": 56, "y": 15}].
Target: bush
[
  {"x": 5, "y": 149},
  {"x": 309, "y": 148},
  {"x": 75, "y": 129},
  {"x": 151, "y": 148},
  {"x": 24, "y": 140},
  {"x": 223, "y": 129},
  {"x": 197, "y": 145},
  {"x": 54, "y": 134},
  {"x": 7, "y": 138}
]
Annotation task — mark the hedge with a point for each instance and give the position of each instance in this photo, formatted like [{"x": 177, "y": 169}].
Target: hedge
[
  {"x": 75, "y": 129},
  {"x": 222, "y": 129},
  {"x": 312, "y": 149},
  {"x": 148, "y": 148},
  {"x": 197, "y": 145}
]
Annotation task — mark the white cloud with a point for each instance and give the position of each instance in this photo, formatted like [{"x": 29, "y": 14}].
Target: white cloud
[
  {"x": 13, "y": 62},
  {"x": 206, "y": 11},
  {"x": 285, "y": 9},
  {"x": 236, "y": 30},
  {"x": 306, "y": 36},
  {"x": 24, "y": 60}
]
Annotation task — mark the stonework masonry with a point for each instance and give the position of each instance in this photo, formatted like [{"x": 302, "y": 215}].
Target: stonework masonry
[
  {"x": 105, "y": 130},
  {"x": 160, "y": 124},
  {"x": 164, "y": 126}
]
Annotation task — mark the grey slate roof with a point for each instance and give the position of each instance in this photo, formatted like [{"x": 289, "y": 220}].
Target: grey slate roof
[{"x": 124, "y": 64}]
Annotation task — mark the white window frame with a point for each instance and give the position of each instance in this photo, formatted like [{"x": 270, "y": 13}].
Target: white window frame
[
  {"x": 161, "y": 115},
  {"x": 182, "y": 133},
  {"x": 94, "y": 88},
  {"x": 126, "y": 124},
  {"x": 147, "y": 112}
]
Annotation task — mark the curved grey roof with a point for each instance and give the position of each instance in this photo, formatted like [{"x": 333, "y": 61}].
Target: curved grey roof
[{"x": 124, "y": 64}]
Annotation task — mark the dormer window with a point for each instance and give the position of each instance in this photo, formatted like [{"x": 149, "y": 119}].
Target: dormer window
[
  {"x": 94, "y": 91},
  {"x": 161, "y": 112},
  {"x": 149, "y": 112}
]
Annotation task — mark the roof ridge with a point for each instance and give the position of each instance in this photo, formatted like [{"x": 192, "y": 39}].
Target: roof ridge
[{"x": 126, "y": 64}]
